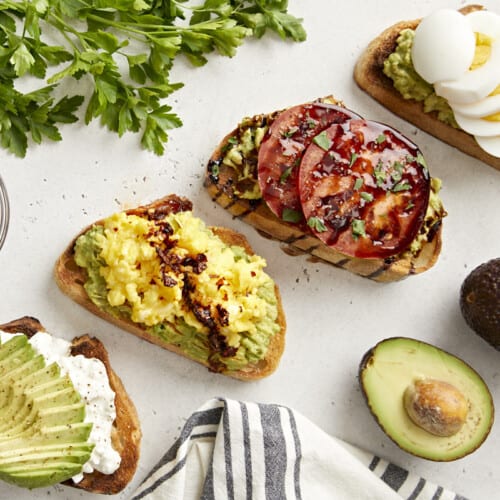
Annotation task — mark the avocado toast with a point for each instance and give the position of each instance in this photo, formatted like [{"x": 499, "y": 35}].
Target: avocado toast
[
  {"x": 197, "y": 291},
  {"x": 370, "y": 76},
  {"x": 66, "y": 425}
]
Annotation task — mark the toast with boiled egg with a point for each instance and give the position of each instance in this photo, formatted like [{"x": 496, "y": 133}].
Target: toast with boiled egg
[
  {"x": 160, "y": 273},
  {"x": 85, "y": 432},
  {"x": 450, "y": 91},
  {"x": 325, "y": 182}
]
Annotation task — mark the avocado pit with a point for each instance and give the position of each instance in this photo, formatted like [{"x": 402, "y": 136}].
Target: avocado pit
[{"x": 436, "y": 406}]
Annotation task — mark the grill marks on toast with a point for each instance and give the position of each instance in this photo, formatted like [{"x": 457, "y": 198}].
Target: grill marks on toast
[{"x": 256, "y": 213}]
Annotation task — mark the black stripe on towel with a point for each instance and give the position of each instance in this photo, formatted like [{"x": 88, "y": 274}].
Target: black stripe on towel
[
  {"x": 418, "y": 489},
  {"x": 208, "y": 485},
  {"x": 228, "y": 458},
  {"x": 247, "y": 449},
  {"x": 274, "y": 452},
  {"x": 298, "y": 455},
  {"x": 438, "y": 493},
  {"x": 373, "y": 464},
  {"x": 394, "y": 476}
]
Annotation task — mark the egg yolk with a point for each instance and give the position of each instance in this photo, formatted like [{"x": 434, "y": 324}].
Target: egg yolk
[{"x": 481, "y": 55}]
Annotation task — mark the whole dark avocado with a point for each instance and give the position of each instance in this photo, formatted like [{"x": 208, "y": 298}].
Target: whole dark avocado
[{"x": 480, "y": 301}]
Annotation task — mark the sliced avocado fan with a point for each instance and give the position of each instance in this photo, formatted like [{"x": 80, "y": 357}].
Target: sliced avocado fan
[{"x": 43, "y": 436}]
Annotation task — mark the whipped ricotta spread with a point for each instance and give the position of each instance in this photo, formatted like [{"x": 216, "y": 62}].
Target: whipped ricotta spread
[{"x": 90, "y": 379}]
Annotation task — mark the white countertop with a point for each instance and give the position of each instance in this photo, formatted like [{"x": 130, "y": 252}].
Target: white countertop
[{"x": 333, "y": 317}]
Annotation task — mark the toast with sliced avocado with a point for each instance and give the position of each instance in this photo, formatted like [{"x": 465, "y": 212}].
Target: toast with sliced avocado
[
  {"x": 385, "y": 71},
  {"x": 49, "y": 437},
  {"x": 325, "y": 182},
  {"x": 160, "y": 273}
]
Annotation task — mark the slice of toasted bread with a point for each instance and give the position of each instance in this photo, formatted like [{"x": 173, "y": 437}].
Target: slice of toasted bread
[
  {"x": 71, "y": 279},
  {"x": 255, "y": 212},
  {"x": 369, "y": 75},
  {"x": 126, "y": 432}
]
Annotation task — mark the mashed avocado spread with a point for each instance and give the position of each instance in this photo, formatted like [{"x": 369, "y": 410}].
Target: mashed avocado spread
[
  {"x": 180, "y": 281},
  {"x": 399, "y": 68}
]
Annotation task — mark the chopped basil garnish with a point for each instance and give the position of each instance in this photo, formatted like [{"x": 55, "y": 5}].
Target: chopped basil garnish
[
  {"x": 366, "y": 196},
  {"x": 358, "y": 228},
  {"x": 323, "y": 141},
  {"x": 354, "y": 157},
  {"x": 285, "y": 175},
  {"x": 421, "y": 160},
  {"x": 358, "y": 184},
  {"x": 290, "y": 215},
  {"x": 290, "y": 132},
  {"x": 316, "y": 224},
  {"x": 214, "y": 170},
  {"x": 401, "y": 186},
  {"x": 397, "y": 173},
  {"x": 379, "y": 174}
]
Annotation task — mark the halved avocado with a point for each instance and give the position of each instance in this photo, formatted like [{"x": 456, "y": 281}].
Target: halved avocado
[{"x": 429, "y": 402}]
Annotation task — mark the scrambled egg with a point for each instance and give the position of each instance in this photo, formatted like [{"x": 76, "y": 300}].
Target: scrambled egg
[{"x": 149, "y": 268}]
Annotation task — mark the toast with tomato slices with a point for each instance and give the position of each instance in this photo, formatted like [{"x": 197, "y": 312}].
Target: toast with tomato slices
[
  {"x": 370, "y": 77},
  {"x": 323, "y": 181}
]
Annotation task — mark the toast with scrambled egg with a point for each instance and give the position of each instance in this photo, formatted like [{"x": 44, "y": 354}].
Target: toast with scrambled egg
[
  {"x": 160, "y": 273},
  {"x": 370, "y": 76},
  {"x": 125, "y": 432},
  {"x": 231, "y": 181}
]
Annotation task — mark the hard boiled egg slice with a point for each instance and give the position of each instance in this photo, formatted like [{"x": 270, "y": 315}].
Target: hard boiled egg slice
[
  {"x": 485, "y": 107},
  {"x": 490, "y": 144},
  {"x": 485, "y": 22},
  {"x": 443, "y": 46},
  {"x": 477, "y": 126},
  {"x": 473, "y": 85},
  {"x": 476, "y": 84}
]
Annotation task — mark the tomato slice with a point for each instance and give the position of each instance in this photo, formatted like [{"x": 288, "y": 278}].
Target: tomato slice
[
  {"x": 281, "y": 151},
  {"x": 364, "y": 189}
]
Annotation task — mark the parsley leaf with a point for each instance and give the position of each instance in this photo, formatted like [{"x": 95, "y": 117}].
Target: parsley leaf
[
  {"x": 317, "y": 224},
  {"x": 291, "y": 215},
  {"x": 322, "y": 140},
  {"x": 123, "y": 49}
]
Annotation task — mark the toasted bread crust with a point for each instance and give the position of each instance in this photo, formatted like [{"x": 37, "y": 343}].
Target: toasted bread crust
[
  {"x": 296, "y": 242},
  {"x": 369, "y": 75},
  {"x": 126, "y": 432},
  {"x": 71, "y": 278}
]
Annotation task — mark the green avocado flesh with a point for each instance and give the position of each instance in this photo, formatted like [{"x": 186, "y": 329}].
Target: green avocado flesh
[
  {"x": 43, "y": 436},
  {"x": 399, "y": 68},
  {"x": 396, "y": 363}
]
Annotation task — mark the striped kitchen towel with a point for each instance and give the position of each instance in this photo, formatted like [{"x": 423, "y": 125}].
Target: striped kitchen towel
[{"x": 233, "y": 450}]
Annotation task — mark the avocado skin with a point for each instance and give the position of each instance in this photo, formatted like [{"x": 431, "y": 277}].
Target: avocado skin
[{"x": 480, "y": 301}]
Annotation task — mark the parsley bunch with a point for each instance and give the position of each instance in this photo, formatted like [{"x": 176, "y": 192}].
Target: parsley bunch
[{"x": 124, "y": 50}]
